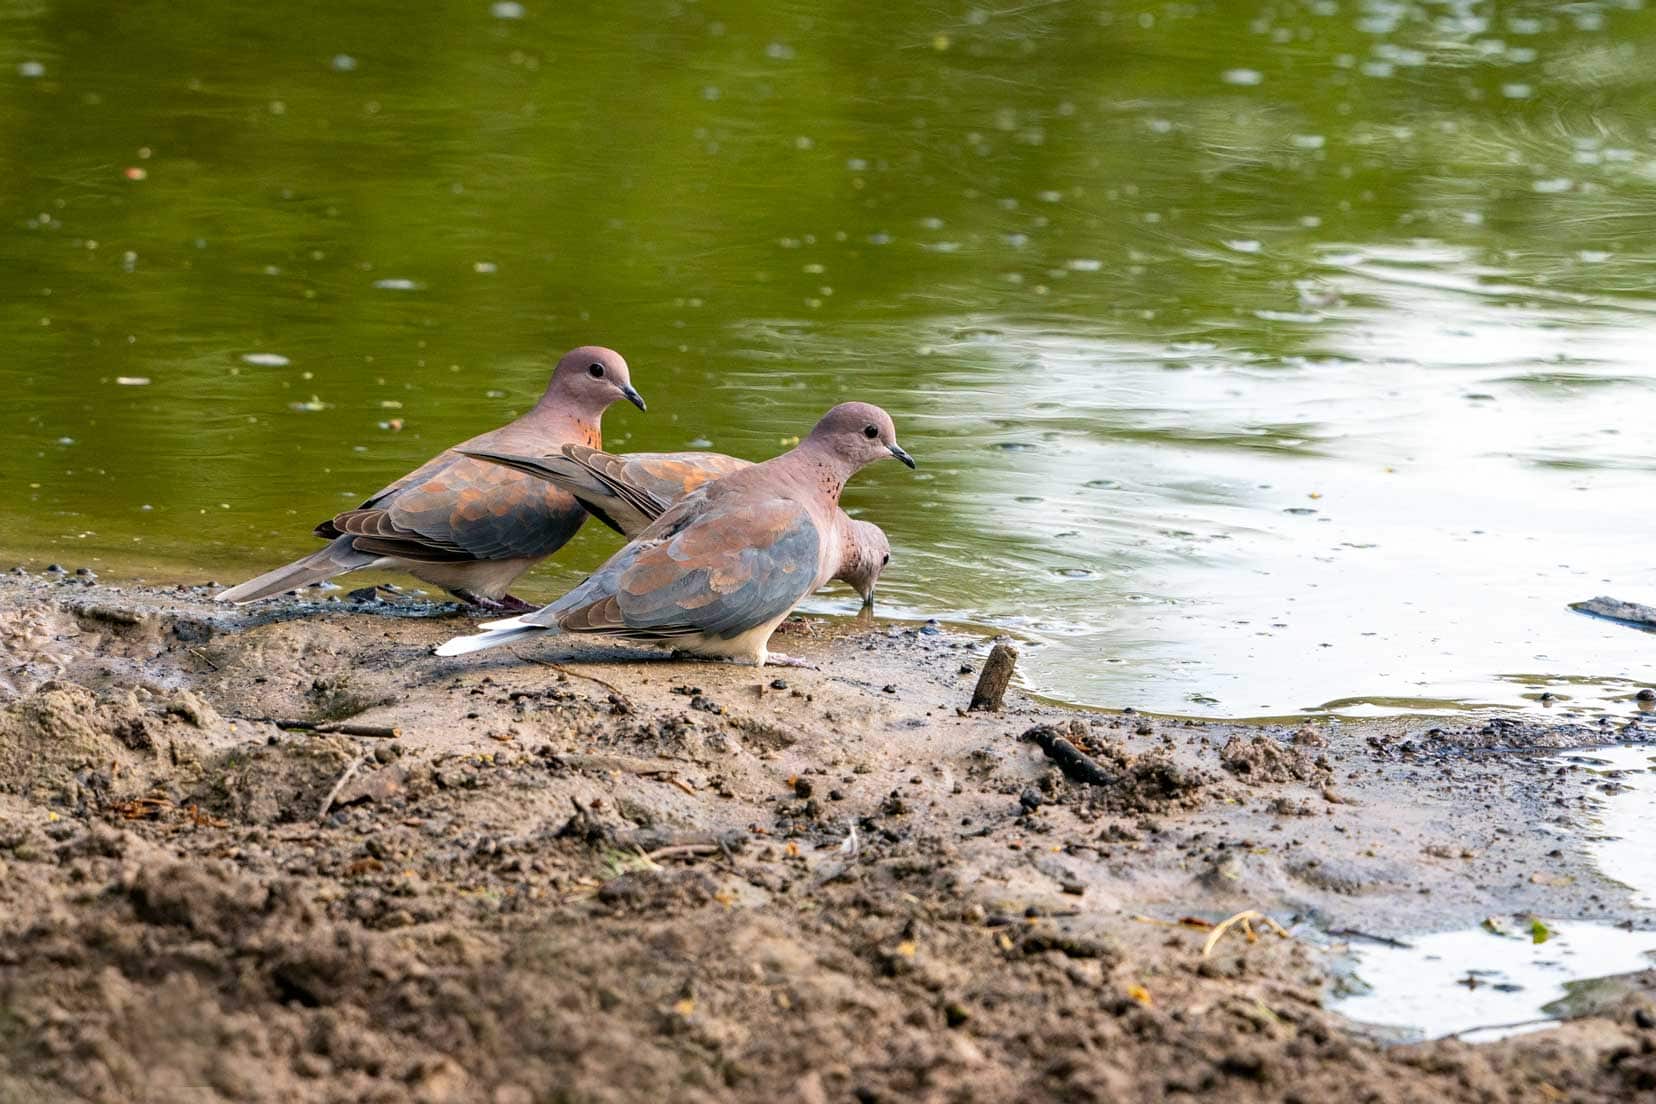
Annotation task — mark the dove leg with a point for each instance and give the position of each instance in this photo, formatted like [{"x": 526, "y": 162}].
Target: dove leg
[{"x": 506, "y": 603}]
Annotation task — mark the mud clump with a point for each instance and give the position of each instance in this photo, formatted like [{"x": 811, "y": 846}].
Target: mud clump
[
  {"x": 1262, "y": 759},
  {"x": 66, "y": 744},
  {"x": 266, "y": 783},
  {"x": 1117, "y": 779}
]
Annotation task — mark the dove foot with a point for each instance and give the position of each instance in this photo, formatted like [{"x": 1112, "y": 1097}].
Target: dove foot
[{"x": 506, "y": 603}]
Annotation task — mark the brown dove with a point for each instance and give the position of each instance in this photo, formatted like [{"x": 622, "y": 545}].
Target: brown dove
[
  {"x": 628, "y": 492},
  {"x": 717, "y": 572},
  {"x": 469, "y": 526}
]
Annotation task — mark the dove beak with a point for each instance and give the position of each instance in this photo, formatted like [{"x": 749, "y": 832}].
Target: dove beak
[
  {"x": 631, "y": 394},
  {"x": 897, "y": 451}
]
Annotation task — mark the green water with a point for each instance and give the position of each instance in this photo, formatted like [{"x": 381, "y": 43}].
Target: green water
[{"x": 1259, "y": 357}]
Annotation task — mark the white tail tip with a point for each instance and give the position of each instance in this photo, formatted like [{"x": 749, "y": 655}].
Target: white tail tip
[{"x": 477, "y": 642}]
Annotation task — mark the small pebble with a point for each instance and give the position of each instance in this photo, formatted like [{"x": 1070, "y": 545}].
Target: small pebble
[
  {"x": 779, "y": 684},
  {"x": 55, "y": 569},
  {"x": 1647, "y": 694}
]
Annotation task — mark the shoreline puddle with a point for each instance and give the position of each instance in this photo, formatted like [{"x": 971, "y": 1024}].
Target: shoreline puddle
[
  {"x": 1485, "y": 986},
  {"x": 1625, "y": 820},
  {"x": 1482, "y": 984}
]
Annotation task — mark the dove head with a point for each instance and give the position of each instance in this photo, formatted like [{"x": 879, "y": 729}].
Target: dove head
[
  {"x": 589, "y": 379},
  {"x": 866, "y": 554},
  {"x": 857, "y": 434}
]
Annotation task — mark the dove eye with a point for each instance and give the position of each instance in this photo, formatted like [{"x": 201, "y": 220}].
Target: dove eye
[
  {"x": 885, "y": 559},
  {"x": 870, "y": 432},
  {"x": 596, "y": 371}
]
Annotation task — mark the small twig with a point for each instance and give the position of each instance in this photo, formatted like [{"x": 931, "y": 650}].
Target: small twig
[
  {"x": 201, "y": 655},
  {"x": 1384, "y": 941},
  {"x": 350, "y": 771},
  {"x": 342, "y": 728},
  {"x": 648, "y": 768},
  {"x": 1242, "y": 918},
  {"x": 562, "y": 670},
  {"x": 1504, "y": 1026},
  {"x": 684, "y": 849},
  {"x": 655, "y": 841},
  {"x": 382, "y": 732},
  {"x": 1186, "y": 922}
]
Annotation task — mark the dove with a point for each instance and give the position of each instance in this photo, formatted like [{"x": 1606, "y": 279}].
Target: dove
[
  {"x": 628, "y": 492},
  {"x": 466, "y": 525},
  {"x": 718, "y": 572}
]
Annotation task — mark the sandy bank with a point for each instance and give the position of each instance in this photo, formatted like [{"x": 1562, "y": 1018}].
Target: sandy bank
[{"x": 608, "y": 875}]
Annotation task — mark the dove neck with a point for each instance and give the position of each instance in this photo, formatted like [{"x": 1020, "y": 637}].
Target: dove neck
[
  {"x": 821, "y": 467},
  {"x": 566, "y": 418}
]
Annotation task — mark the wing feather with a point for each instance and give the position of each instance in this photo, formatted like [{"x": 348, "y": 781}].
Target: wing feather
[{"x": 703, "y": 569}]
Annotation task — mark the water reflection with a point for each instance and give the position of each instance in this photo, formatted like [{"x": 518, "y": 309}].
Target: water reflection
[{"x": 1260, "y": 360}]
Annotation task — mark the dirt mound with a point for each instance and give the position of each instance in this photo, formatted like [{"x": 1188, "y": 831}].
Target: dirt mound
[
  {"x": 66, "y": 745},
  {"x": 36, "y": 646},
  {"x": 266, "y": 782},
  {"x": 1264, "y": 759},
  {"x": 1116, "y": 780}
]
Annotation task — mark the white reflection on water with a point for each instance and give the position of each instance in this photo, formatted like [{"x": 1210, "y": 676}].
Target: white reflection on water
[
  {"x": 1453, "y": 982},
  {"x": 1393, "y": 516},
  {"x": 1626, "y": 818}
]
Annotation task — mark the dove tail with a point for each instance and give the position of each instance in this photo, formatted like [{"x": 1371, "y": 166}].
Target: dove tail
[
  {"x": 335, "y": 559},
  {"x": 477, "y": 642}
]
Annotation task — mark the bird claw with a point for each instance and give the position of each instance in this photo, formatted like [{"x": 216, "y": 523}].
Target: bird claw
[
  {"x": 777, "y": 659},
  {"x": 506, "y": 603}
]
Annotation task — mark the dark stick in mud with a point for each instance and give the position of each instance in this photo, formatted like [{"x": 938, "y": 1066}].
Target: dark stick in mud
[
  {"x": 1075, "y": 763},
  {"x": 342, "y": 728},
  {"x": 996, "y": 676}
]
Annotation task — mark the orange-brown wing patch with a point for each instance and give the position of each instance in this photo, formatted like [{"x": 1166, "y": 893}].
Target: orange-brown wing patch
[
  {"x": 718, "y": 570},
  {"x": 465, "y": 509}
]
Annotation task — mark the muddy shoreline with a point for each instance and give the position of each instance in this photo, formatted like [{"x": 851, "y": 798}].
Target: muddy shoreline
[{"x": 604, "y": 874}]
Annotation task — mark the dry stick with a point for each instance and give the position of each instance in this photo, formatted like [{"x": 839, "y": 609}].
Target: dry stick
[
  {"x": 1383, "y": 940},
  {"x": 625, "y": 764},
  {"x": 997, "y": 674},
  {"x": 1242, "y": 917},
  {"x": 656, "y": 841},
  {"x": 350, "y": 771},
  {"x": 342, "y": 728},
  {"x": 562, "y": 670},
  {"x": 684, "y": 849},
  {"x": 1505, "y": 1026}
]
